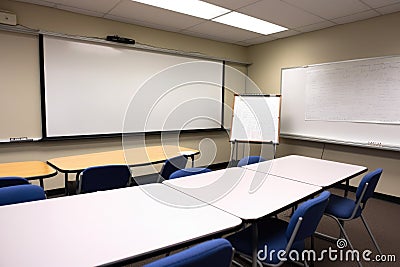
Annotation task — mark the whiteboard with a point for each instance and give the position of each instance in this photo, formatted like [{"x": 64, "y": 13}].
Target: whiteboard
[
  {"x": 351, "y": 102},
  {"x": 96, "y": 88},
  {"x": 256, "y": 118}
]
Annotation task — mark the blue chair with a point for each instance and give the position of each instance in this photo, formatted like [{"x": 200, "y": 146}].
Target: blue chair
[
  {"x": 12, "y": 180},
  {"x": 280, "y": 235},
  {"x": 172, "y": 165},
  {"x": 188, "y": 172},
  {"x": 100, "y": 178},
  {"x": 21, "y": 193},
  {"x": 217, "y": 252},
  {"x": 250, "y": 160},
  {"x": 343, "y": 209}
]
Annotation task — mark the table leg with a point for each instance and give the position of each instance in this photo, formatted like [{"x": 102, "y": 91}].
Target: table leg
[
  {"x": 192, "y": 158},
  {"x": 41, "y": 182},
  {"x": 346, "y": 190},
  {"x": 66, "y": 183},
  {"x": 254, "y": 244}
]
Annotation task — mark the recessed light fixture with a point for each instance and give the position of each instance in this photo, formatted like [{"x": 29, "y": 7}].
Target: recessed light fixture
[
  {"x": 194, "y": 8},
  {"x": 216, "y": 13},
  {"x": 249, "y": 23}
]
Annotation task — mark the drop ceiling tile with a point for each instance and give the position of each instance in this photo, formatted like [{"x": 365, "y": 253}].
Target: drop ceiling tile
[
  {"x": 356, "y": 17},
  {"x": 210, "y": 37},
  {"x": 258, "y": 40},
  {"x": 380, "y": 3},
  {"x": 330, "y": 9},
  {"x": 285, "y": 34},
  {"x": 222, "y": 30},
  {"x": 102, "y": 6},
  {"x": 80, "y": 11},
  {"x": 142, "y": 23},
  {"x": 153, "y": 15},
  {"x": 38, "y": 2},
  {"x": 229, "y": 4},
  {"x": 389, "y": 9},
  {"x": 316, "y": 26},
  {"x": 280, "y": 13}
]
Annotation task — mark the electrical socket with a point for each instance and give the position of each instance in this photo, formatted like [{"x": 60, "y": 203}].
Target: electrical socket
[{"x": 8, "y": 18}]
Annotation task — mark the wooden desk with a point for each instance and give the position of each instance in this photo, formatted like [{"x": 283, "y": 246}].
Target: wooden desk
[
  {"x": 30, "y": 170},
  {"x": 247, "y": 194},
  {"x": 108, "y": 227},
  {"x": 133, "y": 157}
]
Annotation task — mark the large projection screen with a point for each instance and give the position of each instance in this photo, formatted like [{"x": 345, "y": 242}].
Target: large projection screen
[{"x": 89, "y": 87}]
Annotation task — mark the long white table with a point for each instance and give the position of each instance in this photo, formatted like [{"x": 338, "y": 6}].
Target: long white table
[
  {"x": 101, "y": 228},
  {"x": 313, "y": 171},
  {"x": 232, "y": 190},
  {"x": 245, "y": 193}
]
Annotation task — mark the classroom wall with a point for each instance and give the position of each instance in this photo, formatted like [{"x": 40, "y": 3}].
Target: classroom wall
[
  {"x": 53, "y": 20},
  {"x": 374, "y": 37},
  {"x": 369, "y": 38}
]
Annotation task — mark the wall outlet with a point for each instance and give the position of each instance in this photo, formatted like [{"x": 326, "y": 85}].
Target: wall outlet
[{"x": 8, "y": 18}]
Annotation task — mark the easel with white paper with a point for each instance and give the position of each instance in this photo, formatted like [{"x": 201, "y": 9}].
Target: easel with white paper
[{"x": 256, "y": 119}]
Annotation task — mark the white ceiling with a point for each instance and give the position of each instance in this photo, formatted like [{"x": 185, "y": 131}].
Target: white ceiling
[{"x": 298, "y": 16}]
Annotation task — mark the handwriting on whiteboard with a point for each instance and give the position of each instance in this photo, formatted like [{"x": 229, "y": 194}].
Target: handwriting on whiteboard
[{"x": 354, "y": 91}]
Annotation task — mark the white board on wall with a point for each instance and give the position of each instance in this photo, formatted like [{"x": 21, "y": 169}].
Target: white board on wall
[
  {"x": 256, "y": 118},
  {"x": 350, "y": 102},
  {"x": 89, "y": 87}
]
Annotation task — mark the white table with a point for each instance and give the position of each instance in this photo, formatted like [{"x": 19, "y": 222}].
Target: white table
[
  {"x": 115, "y": 226},
  {"x": 247, "y": 194},
  {"x": 313, "y": 171}
]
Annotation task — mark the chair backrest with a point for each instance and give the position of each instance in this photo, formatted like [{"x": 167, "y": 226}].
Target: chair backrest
[
  {"x": 188, "y": 172},
  {"x": 173, "y": 164},
  {"x": 217, "y": 252},
  {"x": 106, "y": 177},
  {"x": 21, "y": 193},
  {"x": 372, "y": 179},
  {"x": 250, "y": 160},
  {"x": 12, "y": 180},
  {"x": 310, "y": 213}
]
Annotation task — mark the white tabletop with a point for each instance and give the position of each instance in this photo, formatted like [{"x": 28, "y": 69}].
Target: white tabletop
[
  {"x": 103, "y": 227},
  {"x": 244, "y": 193},
  {"x": 314, "y": 171}
]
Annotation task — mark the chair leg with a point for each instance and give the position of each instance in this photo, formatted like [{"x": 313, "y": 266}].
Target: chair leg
[
  {"x": 370, "y": 234},
  {"x": 347, "y": 238}
]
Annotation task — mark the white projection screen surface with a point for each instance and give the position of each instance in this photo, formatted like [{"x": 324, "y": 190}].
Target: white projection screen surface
[{"x": 90, "y": 86}]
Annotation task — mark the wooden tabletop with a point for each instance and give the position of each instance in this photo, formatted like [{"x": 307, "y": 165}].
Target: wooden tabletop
[
  {"x": 133, "y": 157},
  {"x": 27, "y": 169}
]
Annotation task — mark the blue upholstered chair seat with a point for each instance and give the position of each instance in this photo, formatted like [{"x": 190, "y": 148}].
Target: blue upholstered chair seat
[
  {"x": 217, "y": 252},
  {"x": 12, "y": 180},
  {"x": 271, "y": 232},
  {"x": 250, "y": 160},
  {"x": 188, "y": 172},
  {"x": 341, "y": 207},
  {"x": 21, "y": 193}
]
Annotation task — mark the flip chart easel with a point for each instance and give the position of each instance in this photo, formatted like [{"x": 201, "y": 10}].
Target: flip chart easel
[{"x": 256, "y": 119}]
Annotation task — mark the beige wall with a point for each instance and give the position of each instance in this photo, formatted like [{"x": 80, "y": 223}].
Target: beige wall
[
  {"x": 49, "y": 19},
  {"x": 370, "y": 38}
]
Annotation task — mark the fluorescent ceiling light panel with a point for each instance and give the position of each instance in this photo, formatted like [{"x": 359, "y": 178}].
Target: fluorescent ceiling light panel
[
  {"x": 194, "y": 8},
  {"x": 249, "y": 23}
]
